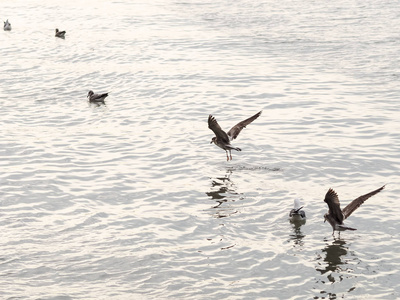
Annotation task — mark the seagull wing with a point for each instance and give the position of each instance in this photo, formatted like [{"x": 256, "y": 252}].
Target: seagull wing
[
  {"x": 97, "y": 97},
  {"x": 235, "y": 130},
  {"x": 214, "y": 126},
  {"x": 353, "y": 205},
  {"x": 331, "y": 198}
]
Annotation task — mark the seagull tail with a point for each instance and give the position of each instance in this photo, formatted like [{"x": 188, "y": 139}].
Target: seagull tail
[{"x": 234, "y": 148}]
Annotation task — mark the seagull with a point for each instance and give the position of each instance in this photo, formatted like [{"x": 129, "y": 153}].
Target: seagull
[
  {"x": 60, "y": 34},
  {"x": 297, "y": 213},
  {"x": 335, "y": 215},
  {"x": 96, "y": 97},
  {"x": 7, "y": 25},
  {"x": 223, "y": 139}
]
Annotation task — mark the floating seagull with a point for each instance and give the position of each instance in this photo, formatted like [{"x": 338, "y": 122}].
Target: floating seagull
[
  {"x": 223, "y": 139},
  {"x": 335, "y": 216},
  {"x": 297, "y": 213},
  {"x": 7, "y": 25},
  {"x": 60, "y": 34},
  {"x": 96, "y": 97}
]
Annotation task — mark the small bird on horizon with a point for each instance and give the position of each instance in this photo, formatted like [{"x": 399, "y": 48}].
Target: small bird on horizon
[
  {"x": 7, "y": 25},
  {"x": 60, "y": 34},
  {"x": 96, "y": 97},
  {"x": 223, "y": 139},
  {"x": 297, "y": 213},
  {"x": 336, "y": 216}
]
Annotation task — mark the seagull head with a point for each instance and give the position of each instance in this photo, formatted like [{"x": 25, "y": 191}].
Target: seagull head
[
  {"x": 213, "y": 140},
  {"x": 90, "y": 93},
  {"x": 325, "y": 217}
]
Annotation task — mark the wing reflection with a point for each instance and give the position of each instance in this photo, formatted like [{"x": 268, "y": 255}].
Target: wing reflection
[{"x": 223, "y": 191}]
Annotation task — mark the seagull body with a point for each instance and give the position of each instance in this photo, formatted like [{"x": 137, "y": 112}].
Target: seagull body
[
  {"x": 336, "y": 216},
  {"x": 223, "y": 139},
  {"x": 96, "y": 97},
  {"x": 60, "y": 34},
  {"x": 7, "y": 25},
  {"x": 297, "y": 213}
]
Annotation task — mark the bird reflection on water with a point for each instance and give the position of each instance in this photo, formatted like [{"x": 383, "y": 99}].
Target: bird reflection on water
[
  {"x": 336, "y": 265},
  {"x": 333, "y": 254},
  {"x": 223, "y": 190},
  {"x": 297, "y": 235}
]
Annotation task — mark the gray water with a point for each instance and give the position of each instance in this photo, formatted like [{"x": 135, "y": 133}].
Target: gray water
[{"x": 129, "y": 200}]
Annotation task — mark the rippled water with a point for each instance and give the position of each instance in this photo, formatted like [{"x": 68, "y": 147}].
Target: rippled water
[{"x": 129, "y": 200}]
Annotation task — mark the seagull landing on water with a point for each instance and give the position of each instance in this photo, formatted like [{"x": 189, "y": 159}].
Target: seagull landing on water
[
  {"x": 335, "y": 215},
  {"x": 223, "y": 139},
  {"x": 60, "y": 34},
  {"x": 297, "y": 213},
  {"x": 7, "y": 25},
  {"x": 96, "y": 97}
]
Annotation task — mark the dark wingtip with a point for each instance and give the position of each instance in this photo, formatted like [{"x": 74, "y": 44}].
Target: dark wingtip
[
  {"x": 211, "y": 119},
  {"x": 330, "y": 192}
]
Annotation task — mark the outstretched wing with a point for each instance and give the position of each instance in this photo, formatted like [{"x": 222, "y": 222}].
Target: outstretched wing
[
  {"x": 219, "y": 133},
  {"x": 353, "y": 205},
  {"x": 235, "y": 130},
  {"x": 331, "y": 198}
]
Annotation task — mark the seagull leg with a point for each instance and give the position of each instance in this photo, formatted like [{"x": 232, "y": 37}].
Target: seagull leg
[
  {"x": 230, "y": 153},
  {"x": 227, "y": 157}
]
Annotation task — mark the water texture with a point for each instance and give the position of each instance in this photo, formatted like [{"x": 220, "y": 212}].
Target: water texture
[{"x": 129, "y": 200}]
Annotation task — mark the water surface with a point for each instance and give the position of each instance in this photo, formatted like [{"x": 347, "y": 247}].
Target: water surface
[{"x": 129, "y": 200}]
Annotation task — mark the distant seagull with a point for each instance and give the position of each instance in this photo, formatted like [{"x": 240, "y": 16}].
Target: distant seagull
[
  {"x": 7, "y": 25},
  {"x": 96, "y": 97},
  {"x": 297, "y": 213},
  {"x": 335, "y": 216},
  {"x": 60, "y": 34},
  {"x": 223, "y": 139}
]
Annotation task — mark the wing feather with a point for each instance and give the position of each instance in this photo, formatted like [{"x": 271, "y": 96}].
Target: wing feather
[
  {"x": 219, "y": 133},
  {"x": 97, "y": 97},
  {"x": 332, "y": 199},
  {"x": 356, "y": 203},
  {"x": 235, "y": 130}
]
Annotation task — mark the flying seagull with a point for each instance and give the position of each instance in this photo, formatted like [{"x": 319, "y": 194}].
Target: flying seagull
[
  {"x": 7, "y": 25},
  {"x": 297, "y": 213},
  {"x": 60, "y": 34},
  {"x": 223, "y": 139},
  {"x": 96, "y": 97},
  {"x": 335, "y": 215}
]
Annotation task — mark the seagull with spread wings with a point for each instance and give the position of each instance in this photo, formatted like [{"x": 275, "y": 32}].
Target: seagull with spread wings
[
  {"x": 336, "y": 216},
  {"x": 223, "y": 139}
]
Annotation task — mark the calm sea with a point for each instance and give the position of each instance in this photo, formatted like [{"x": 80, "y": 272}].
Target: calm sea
[{"x": 129, "y": 200}]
